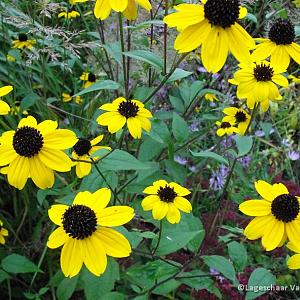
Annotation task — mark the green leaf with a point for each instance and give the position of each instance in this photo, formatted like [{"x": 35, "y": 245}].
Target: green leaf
[
  {"x": 210, "y": 154},
  {"x": 29, "y": 101},
  {"x": 66, "y": 288},
  {"x": 100, "y": 85},
  {"x": 177, "y": 103},
  {"x": 259, "y": 278},
  {"x": 175, "y": 237},
  {"x": 251, "y": 17},
  {"x": 121, "y": 160},
  {"x": 146, "y": 56},
  {"x": 16, "y": 263},
  {"x": 176, "y": 171},
  {"x": 95, "y": 287},
  {"x": 238, "y": 255},
  {"x": 244, "y": 144},
  {"x": 223, "y": 265},
  {"x": 179, "y": 74},
  {"x": 180, "y": 128}
]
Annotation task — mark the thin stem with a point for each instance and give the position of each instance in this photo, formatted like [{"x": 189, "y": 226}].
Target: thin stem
[
  {"x": 159, "y": 238},
  {"x": 167, "y": 76},
  {"x": 123, "y": 56},
  {"x": 165, "y": 38}
]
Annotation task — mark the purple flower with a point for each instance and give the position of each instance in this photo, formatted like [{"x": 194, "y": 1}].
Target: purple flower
[
  {"x": 245, "y": 161},
  {"x": 180, "y": 160},
  {"x": 293, "y": 155},
  {"x": 218, "y": 178}
]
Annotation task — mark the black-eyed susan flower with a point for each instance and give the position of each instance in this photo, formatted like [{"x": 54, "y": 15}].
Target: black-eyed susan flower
[
  {"x": 82, "y": 151},
  {"x": 3, "y": 233},
  {"x": 4, "y": 107},
  {"x": 66, "y": 97},
  {"x": 166, "y": 200},
  {"x": 257, "y": 82},
  {"x": 276, "y": 215},
  {"x": 294, "y": 79},
  {"x": 128, "y": 8},
  {"x": 226, "y": 128},
  {"x": 10, "y": 58},
  {"x": 130, "y": 112},
  {"x": 88, "y": 79},
  {"x": 85, "y": 234},
  {"x": 74, "y": 2},
  {"x": 214, "y": 26},
  {"x": 23, "y": 42},
  {"x": 237, "y": 116},
  {"x": 35, "y": 151},
  {"x": 211, "y": 97},
  {"x": 280, "y": 45},
  {"x": 293, "y": 262},
  {"x": 71, "y": 14}
]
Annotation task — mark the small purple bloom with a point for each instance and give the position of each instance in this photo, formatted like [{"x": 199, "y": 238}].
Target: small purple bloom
[{"x": 293, "y": 155}]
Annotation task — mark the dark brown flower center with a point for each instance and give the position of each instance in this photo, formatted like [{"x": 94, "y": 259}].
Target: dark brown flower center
[
  {"x": 282, "y": 32},
  {"x": 240, "y": 116},
  {"x": 166, "y": 194},
  {"x": 82, "y": 147},
  {"x": 27, "y": 141},
  {"x": 128, "y": 109},
  {"x": 22, "y": 37},
  {"x": 225, "y": 125},
  {"x": 222, "y": 13},
  {"x": 91, "y": 77},
  {"x": 79, "y": 221},
  {"x": 263, "y": 72},
  {"x": 285, "y": 208}
]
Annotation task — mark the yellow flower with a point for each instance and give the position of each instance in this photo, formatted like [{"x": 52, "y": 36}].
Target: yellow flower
[
  {"x": 23, "y": 42},
  {"x": 85, "y": 234},
  {"x": 128, "y": 8},
  {"x": 4, "y": 107},
  {"x": 295, "y": 79},
  {"x": 82, "y": 150},
  {"x": 280, "y": 45},
  {"x": 3, "y": 233},
  {"x": 226, "y": 128},
  {"x": 74, "y": 2},
  {"x": 211, "y": 97},
  {"x": 122, "y": 111},
  {"x": 34, "y": 151},
  {"x": 166, "y": 200},
  {"x": 257, "y": 83},
  {"x": 66, "y": 97},
  {"x": 11, "y": 58},
  {"x": 276, "y": 215},
  {"x": 15, "y": 110},
  {"x": 296, "y": 3},
  {"x": 69, "y": 15},
  {"x": 88, "y": 79},
  {"x": 214, "y": 26},
  {"x": 237, "y": 116},
  {"x": 294, "y": 261}
]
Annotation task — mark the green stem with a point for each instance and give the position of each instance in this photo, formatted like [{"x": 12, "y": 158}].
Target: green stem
[{"x": 159, "y": 238}]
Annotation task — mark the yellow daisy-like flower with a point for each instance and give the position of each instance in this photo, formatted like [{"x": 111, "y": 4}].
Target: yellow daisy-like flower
[
  {"x": 4, "y": 107},
  {"x": 213, "y": 26},
  {"x": 211, "y": 97},
  {"x": 293, "y": 262},
  {"x": 34, "y": 151},
  {"x": 166, "y": 200},
  {"x": 280, "y": 45},
  {"x": 11, "y": 58},
  {"x": 257, "y": 82},
  {"x": 226, "y": 128},
  {"x": 237, "y": 116},
  {"x": 23, "y": 42},
  {"x": 128, "y": 8},
  {"x": 82, "y": 150},
  {"x": 276, "y": 215},
  {"x": 88, "y": 79},
  {"x": 122, "y": 111},
  {"x": 74, "y": 2},
  {"x": 3, "y": 233},
  {"x": 15, "y": 110},
  {"x": 295, "y": 79},
  {"x": 69, "y": 15},
  {"x": 296, "y": 3},
  {"x": 85, "y": 234},
  {"x": 66, "y": 97}
]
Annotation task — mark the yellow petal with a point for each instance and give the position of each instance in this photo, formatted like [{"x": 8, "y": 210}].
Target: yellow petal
[
  {"x": 56, "y": 212},
  {"x": 293, "y": 262},
  {"x": 149, "y": 201},
  {"x": 151, "y": 190},
  {"x": 60, "y": 139},
  {"x": 114, "y": 243},
  {"x": 102, "y": 9},
  {"x": 55, "y": 159},
  {"x": 7, "y": 154},
  {"x": 265, "y": 190},
  {"x": 102, "y": 198},
  {"x": 180, "y": 190},
  {"x": 173, "y": 214},
  {"x": 83, "y": 169},
  {"x": 18, "y": 172},
  {"x": 183, "y": 204},
  {"x": 273, "y": 235},
  {"x": 115, "y": 216},
  {"x": 118, "y": 5},
  {"x": 28, "y": 121},
  {"x": 134, "y": 127},
  {"x": 5, "y": 90},
  {"x": 4, "y": 108},
  {"x": 160, "y": 210},
  {"x": 256, "y": 227},
  {"x": 294, "y": 247},
  {"x": 293, "y": 231},
  {"x": 57, "y": 238},
  {"x": 255, "y": 208}
]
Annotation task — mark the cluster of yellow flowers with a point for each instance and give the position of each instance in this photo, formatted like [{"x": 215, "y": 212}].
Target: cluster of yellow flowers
[{"x": 36, "y": 150}]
